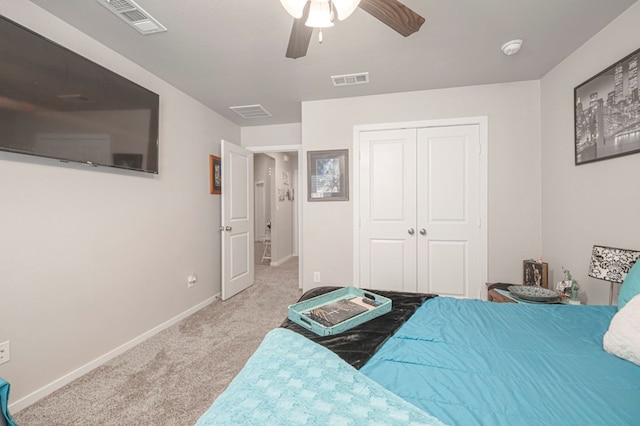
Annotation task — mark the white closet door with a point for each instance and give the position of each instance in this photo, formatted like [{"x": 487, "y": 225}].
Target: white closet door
[
  {"x": 420, "y": 213},
  {"x": 388, "y": 210},
  {"x": 449, "y": 210}
]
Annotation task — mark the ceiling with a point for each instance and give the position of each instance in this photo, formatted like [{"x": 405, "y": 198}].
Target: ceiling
[{"x": 231, "y": 52}]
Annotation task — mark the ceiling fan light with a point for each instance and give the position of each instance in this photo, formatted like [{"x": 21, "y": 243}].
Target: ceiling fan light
[
  {"x": 294, "y": 7},
  {"x": 345, "y": 8},
  {"x": 320, "y": 14}
]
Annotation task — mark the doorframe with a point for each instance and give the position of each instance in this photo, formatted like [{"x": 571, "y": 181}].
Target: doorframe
[
  {"x": 483, "y": 123},
  {"x": 298, "y": 149}
]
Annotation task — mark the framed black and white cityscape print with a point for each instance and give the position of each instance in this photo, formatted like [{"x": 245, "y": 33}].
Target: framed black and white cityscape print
[{"x": 607, "y": 113}]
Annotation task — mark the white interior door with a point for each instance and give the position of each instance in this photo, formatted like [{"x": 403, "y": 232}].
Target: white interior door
[
  {"x": 237, "y": 219},
  {"x": 449, "y": 210},
  {"x": 388, "y": 210}
]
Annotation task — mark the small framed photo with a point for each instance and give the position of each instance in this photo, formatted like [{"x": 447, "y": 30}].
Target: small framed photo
[
  {"x": 215, "y": 175},
  {"x": 328, "y": 175},
  {"x": 535, "y": 273}
]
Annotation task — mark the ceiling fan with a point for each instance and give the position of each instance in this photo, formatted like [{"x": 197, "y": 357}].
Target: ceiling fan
[{"x": 310, "y": 14}]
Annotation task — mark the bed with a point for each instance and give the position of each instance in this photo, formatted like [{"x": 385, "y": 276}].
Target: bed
[{"x": 455, "y": 361}]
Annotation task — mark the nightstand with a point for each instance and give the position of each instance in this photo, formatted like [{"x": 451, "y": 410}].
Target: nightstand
[{"x": 494, "y": 296}]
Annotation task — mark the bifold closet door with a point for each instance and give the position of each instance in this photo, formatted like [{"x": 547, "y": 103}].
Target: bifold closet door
[
  {"x": 448, "y": 197},
  {"x": 388, "y": 210},
  {"x": 419, "y": 210}
]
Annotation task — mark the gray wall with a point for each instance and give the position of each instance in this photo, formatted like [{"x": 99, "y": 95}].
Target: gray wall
[
  {"x": 595, "y": 203},
  {"x": 514, "y": 183},
  {"x": 93, "y": 259}
]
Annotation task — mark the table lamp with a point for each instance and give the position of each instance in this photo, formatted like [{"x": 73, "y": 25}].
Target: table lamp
[{"x": 612, "y": 265}]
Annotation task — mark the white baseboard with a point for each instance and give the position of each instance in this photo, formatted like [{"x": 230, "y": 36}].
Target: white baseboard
[
  {"x": 68, "y": 378},
  {"x": 281, "y": 261}
]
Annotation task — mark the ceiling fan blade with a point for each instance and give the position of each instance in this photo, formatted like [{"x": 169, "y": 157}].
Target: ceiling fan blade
[
  {"x": 300, "y": 36},
  {"x": 395, "y": 14}
]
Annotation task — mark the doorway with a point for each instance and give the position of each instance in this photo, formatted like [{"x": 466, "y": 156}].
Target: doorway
[{"x": 276, "y": 209}]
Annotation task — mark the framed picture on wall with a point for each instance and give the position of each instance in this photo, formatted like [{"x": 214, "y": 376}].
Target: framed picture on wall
[
  {"x": 328, "y": 175},
  {"x": 215, "y": 175},
  {"x": 607, "y": 112},
  {"x": 535, "y": 273}
]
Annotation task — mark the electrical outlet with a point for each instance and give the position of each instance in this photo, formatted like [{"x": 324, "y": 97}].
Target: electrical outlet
[
  {"x": 191, "y": 280},
  {"x": 316, "y": 277},
  {"x": 5, "y": 353}
]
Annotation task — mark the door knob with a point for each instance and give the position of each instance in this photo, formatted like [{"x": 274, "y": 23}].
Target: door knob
[
  {"x": 423, "y": 231},
  {"x": 225, "y": 228},
  {"x": 411, "y": 231}
]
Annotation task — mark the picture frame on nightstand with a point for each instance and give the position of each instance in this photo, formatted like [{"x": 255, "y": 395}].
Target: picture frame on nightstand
[{"x": 535, "y": 273}]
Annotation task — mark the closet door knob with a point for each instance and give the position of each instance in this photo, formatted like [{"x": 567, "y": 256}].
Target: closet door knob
[
  {"x": 411, "y": 231},
  {"x": 423, "y": 231}
]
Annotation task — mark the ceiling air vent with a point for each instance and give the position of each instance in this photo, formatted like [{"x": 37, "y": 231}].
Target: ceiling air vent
[
  {"x": 350, "y": 79},
  {"x": 133, "y": 15},
  {"x": 251, "y": 111}
]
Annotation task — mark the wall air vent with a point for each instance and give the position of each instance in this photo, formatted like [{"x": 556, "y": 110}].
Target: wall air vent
[
  {"x": 350, "y": 79},
  {"x": 134, "y": 15},
  {"x": 251, "y": 111}
]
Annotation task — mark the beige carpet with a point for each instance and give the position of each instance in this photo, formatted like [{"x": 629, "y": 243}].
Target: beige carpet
[{"x": 172, "y": 378}]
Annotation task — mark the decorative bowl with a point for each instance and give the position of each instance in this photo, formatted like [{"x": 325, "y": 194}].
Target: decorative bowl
[{"x": 533, "y": 293}]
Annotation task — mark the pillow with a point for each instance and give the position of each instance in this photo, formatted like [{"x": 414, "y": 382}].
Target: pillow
[
  {"x": 630, "y": 285},
  {"x": 623, "y": 337}
]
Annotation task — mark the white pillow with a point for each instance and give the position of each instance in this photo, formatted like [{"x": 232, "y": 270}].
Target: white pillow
[{"x": 623, "y": 337}]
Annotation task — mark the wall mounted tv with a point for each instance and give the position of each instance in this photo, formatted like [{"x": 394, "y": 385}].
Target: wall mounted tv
[{"x": 57, "y": 104}]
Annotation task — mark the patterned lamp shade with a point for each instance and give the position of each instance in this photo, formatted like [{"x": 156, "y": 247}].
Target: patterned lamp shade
[{"x": 611, "y": 264}]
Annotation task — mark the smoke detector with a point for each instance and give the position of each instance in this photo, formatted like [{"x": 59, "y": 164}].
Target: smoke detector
[
  {"x": 134, "y": 15},
  {"x": 512, "y": 47}
]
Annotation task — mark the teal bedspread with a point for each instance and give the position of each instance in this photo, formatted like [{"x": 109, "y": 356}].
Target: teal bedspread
[
  {"x": 291, "y": 380},
  {"x": 470, "y": 362}
]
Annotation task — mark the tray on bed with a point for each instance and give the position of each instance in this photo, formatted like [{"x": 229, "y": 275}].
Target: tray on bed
[
  {"x": 357, "y": 345},
  {"x": 339, "y": 310}
]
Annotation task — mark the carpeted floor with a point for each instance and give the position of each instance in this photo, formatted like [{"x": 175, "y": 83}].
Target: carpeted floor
[{"x": 172, "y": 378}]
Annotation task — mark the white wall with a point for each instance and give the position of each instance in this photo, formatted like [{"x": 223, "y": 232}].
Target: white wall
[
  {"x": 283, "y": 220},
  {"x": 276, "y": 135},
  {"x": 514, "y": 203},
  {"x": 92, "y": 258},
  {"x": 594, "y": 203},
  {"x": 262, "y": 170}
]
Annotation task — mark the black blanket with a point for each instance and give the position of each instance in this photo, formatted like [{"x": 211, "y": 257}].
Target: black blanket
[{"x": 358, "y": 344}]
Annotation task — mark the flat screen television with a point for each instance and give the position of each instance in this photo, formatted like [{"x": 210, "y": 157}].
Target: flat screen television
[{"x": 56, "y": 104}]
